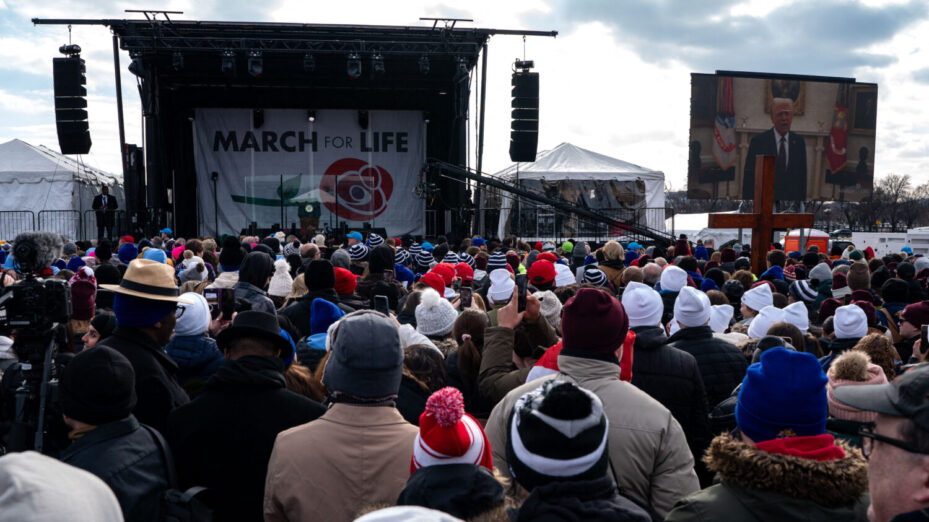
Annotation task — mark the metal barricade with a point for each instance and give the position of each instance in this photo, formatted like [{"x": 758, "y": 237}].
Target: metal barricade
[
  {"x": 64, "y": 222},
  {"x": 89, "y": 224},
  {"x": 13, "y": 222}
]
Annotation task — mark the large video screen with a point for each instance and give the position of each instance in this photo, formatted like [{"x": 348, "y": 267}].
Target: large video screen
[{"x": 820, "y": 130}]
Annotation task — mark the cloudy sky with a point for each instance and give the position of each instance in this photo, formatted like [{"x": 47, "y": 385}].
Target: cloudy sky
[{"x": 615, "y": 80}]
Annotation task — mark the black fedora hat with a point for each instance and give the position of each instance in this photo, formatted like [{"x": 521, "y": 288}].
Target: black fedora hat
[{"x": 252, "y": 323}]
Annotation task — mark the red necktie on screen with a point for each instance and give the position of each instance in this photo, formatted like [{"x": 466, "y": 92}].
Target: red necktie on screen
[{"x": 781, "y": 165}]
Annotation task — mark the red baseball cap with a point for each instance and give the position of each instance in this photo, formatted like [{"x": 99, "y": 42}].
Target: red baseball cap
[
  {"x": 446, "y": 271},
  {"x": 464, "y": 271},
  {"x": 542, "y": 272},
  {"x": 435, "y": 281},
  {"x": 547, "y": 256}
]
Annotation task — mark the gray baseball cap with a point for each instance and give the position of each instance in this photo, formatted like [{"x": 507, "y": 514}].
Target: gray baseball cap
[
  {"x": 366, "y": 359},
  {"x": 907, "y": 396}
]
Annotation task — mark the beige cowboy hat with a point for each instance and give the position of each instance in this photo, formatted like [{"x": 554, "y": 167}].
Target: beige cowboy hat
[{"x": 149, "y": 280}]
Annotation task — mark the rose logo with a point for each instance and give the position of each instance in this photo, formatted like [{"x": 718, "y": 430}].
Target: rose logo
[{"x": 355, "y": 190}]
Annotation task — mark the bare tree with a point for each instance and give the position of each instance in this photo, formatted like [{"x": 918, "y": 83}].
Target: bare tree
[{"x": 895, "y": 189}]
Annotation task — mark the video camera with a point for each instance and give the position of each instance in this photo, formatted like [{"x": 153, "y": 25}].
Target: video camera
[{"x": 31, "y": 312}]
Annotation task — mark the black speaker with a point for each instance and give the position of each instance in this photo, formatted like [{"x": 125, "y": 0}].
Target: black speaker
[
  {"x": 524, "y": 129},
  {"x": 71, "y": 105}
]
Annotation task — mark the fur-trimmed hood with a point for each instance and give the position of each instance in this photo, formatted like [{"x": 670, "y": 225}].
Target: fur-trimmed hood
[{"x": 832, "y": 483}]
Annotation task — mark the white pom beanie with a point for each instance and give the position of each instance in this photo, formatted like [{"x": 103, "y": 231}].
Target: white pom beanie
[
  {"x": 281, "y": 282},
  {"x": 435, "y": 316}
]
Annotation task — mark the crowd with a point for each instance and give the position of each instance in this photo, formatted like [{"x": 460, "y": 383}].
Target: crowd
[{"x": 480, "y": 380}]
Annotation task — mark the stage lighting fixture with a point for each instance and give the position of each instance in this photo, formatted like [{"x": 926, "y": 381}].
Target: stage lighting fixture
[
  {"x": 424, "y": 65},
  {"x": 135, "y": 66},
  {"x": 255, "y": 64},
  {"x": 353, "y": 66},
  {"x": 377, "y": 65},
  {"x": 227, "y": 63},
  {"x": 311, "y": 116},
  {"x": 525, "y": 65},
  {"x": 309, "y": 62},
  {"x": 177, "y": 61},
  {"x": 462, "y": 71}
]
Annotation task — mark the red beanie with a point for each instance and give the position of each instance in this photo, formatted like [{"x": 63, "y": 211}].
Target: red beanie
[
  {"x": 541, "y": 272},
  {"x": 447, "y": 272},
  {"x": 448, "y": 435},
  {"x": 538, "y": 246},
  {"x": 345, "y": 281},
  {"x": 464, "y": 271},
  {"x": 435, "y": 281},
  {"x": 593, "y": 323}
]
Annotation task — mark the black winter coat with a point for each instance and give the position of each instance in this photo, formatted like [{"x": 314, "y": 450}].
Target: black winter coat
[
  {"x": 299, "y": 312},
  {"x": 586, "y": 500},
  {"x": 835, "y": 348},
  {"x": 156, "y": 387},
  {"x": 411, "y": 401},
  {"x": 671, "y": 377},
  {"x": 223, "y": 439},
  {"x": 125, "y": 456},
  {"x": 722, "y": 365},
  {"x": 668, "y": 298}
]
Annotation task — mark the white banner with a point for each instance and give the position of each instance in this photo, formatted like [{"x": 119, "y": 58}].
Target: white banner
[{"x": 312, "y": 173}]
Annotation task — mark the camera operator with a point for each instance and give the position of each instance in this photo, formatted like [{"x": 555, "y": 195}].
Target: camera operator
[{"x": 145, "y": 304}]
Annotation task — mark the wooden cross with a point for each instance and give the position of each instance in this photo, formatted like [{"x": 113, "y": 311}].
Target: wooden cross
[{"x": 764, "y": 221}]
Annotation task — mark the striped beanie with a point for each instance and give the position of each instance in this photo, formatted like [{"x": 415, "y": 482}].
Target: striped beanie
[
  {"x": 802, "y": 291},
  {"x": 448, "y": 435},
  {"x": 595, "y": 276},
  {"x": 450, "y": 257},
  {"x": 557, "y": 433},
  {"x": 496, "y": 260},
  {"x": 401, "y": 256},
  {"x": 464, "y": 257},
  {"x": 375, "y": 240},
  {"x": 415, "y": 248},
  {"x": 358, "y": 252},
  {"x": 423, "y": 259}
]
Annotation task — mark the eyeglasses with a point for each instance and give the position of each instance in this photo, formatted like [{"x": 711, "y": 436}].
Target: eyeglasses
[
  {"x": 868, "y": 437},
  {"x": 180, "y": 311}
]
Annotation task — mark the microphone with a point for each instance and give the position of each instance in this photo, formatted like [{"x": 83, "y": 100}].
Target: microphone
[{"x": 35, "y": 250}]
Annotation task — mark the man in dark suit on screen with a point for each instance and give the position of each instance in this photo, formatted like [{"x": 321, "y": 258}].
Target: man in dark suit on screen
[
  {"x": 104, "y": 206},
  {"x": 790, "y": 151}
]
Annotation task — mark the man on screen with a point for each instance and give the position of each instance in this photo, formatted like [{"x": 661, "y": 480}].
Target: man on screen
[{"x": 790, "y": 151}]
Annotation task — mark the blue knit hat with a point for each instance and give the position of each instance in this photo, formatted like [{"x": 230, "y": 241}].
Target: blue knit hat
[
  {"x": 75, "y": 263},
  {"x": 478, "y": 241},
  {"x": 157, "y": 254},
  {"x": 322, "y": 315},
  {"x": 127, "y": 253},
  {"x": 784, "y": 395}
]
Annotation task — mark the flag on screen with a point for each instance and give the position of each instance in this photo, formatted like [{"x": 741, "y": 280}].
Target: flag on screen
[{"x": 724, "y": 149}]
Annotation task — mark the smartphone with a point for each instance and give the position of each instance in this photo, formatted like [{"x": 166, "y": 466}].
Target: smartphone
[
  {"x": 211, "y": 295},
  {"x": 521, "y": 281},
  {"x": 227, "y": 303},
  {"x": 465, "y": 295},
  {"x": 381, "y": 304}
]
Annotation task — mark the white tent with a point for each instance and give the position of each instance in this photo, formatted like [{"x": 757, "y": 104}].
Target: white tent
[
  {"x": 568, "y": 162},
  {"x": 40, "y": 180}
]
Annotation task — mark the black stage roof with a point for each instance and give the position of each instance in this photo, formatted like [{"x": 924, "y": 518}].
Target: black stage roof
[{"x": 179, "y": 66}]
